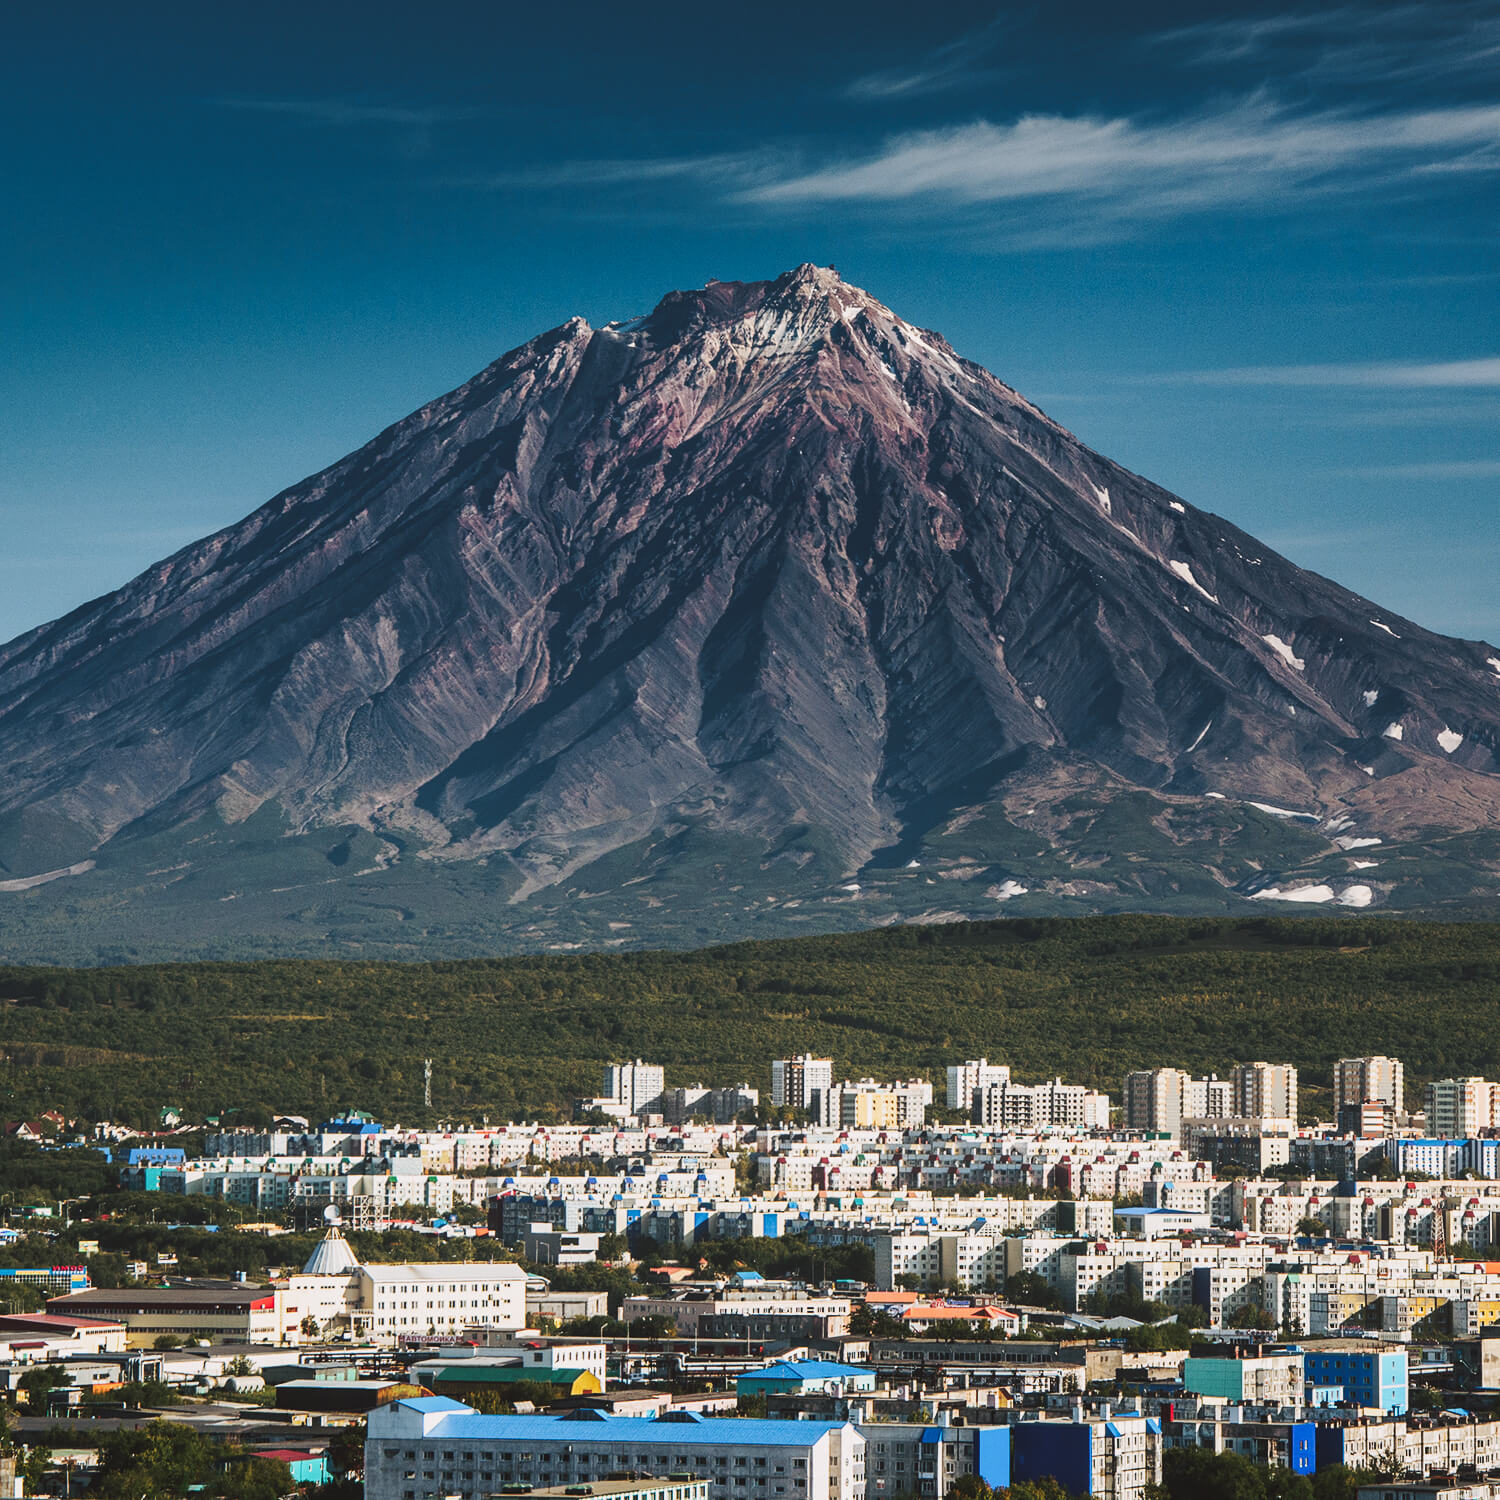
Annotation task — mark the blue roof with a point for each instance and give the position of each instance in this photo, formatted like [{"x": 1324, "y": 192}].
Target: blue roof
[
  {"x": 808, "y": 1369},
  {"x": 433, "y": 1403},
  {"x": 702, "y": 1432}
]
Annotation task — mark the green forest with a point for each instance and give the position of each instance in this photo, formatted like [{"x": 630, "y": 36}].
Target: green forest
[{"x": 1086, "y": 999}]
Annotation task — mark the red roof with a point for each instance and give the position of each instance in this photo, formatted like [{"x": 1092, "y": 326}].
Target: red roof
[{"x": 40, "y": 1322}]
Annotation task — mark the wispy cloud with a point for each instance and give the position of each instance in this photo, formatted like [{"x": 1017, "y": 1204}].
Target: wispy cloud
[
  {"x": 1477, "y": 468},
  {"x": 1383, "y": 375},
  {"x": 956, "y": 65},
  {"x": 1253, "y": 153},
  {"x": 736, "y": 170},
  {"x": 1352, "y": 44}
]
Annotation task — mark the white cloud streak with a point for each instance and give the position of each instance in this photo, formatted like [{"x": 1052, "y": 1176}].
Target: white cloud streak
[
  {"x": 1253, "y": 153},
  {"x": 1456, "y": 374},
  {"x": 1479, "y": 468},
  {"x": 1353, "y": 45}
]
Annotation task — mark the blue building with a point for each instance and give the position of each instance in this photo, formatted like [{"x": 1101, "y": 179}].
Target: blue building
[
  {"x": 1126, "y": 1447},
  {"x": 1371, "y": 1374}
]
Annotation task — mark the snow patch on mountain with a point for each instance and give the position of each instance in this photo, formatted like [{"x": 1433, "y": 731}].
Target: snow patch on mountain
[
  {"x": 1349, "y": 842},
  {"x": 1178, "y": 506},
  {"x": 1283, "y": 812},
  {"x": 1284, "y": 651},
  {"x": 1394, "y": 731},
  {"x": 1201, "y": 733},
  {"x": 1315, "y": 894},
  {"x": 1185, "y": 572},
  {"x": 1371, "y": 697},
  {"x": 1449, "y": 739},
  {"x": 1377, "y": 624},
  {"x": 1356, "y": 895},
  {"x": 1102, "y": 495},
  {"x": 1007, "y": 890}
]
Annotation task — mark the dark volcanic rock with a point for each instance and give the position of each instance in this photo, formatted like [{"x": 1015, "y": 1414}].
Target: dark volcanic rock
[{"x": 769, "y": 557}]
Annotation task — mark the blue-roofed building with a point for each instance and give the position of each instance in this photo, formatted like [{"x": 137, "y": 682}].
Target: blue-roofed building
[
  {"x": 155, "y": 1156},
  {"x": 798, "y": 1376},
  {"x": 423, "y": 1448}
]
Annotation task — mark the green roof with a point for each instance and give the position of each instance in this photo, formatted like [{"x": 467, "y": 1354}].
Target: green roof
[{"x": 475, "y": 1374}]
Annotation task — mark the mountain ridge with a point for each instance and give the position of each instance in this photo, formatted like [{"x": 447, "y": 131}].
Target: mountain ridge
[{"x": 768, "y": 562}]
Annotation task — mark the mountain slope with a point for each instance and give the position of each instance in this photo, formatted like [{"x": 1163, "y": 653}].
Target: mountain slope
[{"x": 770, "y": 565}]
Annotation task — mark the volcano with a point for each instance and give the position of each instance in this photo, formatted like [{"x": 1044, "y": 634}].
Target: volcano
[{"x": 766, "y": 612}]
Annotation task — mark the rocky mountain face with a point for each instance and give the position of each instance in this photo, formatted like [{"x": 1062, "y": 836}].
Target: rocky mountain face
[{"x": 766, "y": 607}]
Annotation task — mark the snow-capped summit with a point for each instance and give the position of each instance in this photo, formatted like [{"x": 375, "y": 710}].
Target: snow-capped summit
[{"x": 766, "y": 569}]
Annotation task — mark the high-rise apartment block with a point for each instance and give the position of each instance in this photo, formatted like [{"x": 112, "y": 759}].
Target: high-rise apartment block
[
  {"x": 1265, "y": 1090},
  {"x": 964, "y": 1078},
  {"x": 1460, "y": 1107},
  {"x": 638, "y": 1086},
  {"x": 1360, "y": 1080},
  {"x": 801, "y": 1082},
  {"x": 1160, "y": 1099}
]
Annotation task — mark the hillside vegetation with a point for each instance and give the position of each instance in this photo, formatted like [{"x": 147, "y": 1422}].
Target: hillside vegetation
[{"x": 1086, "y": 999}]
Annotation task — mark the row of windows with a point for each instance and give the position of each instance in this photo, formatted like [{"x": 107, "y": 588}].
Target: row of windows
[{"x": 618, "y": 1459}]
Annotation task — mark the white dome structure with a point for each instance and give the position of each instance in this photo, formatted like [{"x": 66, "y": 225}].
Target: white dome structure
[{"x": 333, "y": 1257}]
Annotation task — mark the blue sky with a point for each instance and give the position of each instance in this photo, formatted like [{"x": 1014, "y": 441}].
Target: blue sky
[{"x": 1248, "y": 252}]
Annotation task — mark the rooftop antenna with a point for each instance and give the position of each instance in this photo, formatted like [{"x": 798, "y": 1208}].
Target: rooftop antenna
[{"x": 426, "y": 1083}]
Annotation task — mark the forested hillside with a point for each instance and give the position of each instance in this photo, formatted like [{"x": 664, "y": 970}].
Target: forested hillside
[{"x": 1087, "y": 999}]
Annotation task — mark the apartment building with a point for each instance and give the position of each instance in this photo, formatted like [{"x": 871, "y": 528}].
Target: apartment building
[
  {"x": 1362, "y": 1080},
  {"x": 868, "y": 1105},
  {"x": 1460, "y": 1107},
  {"x": 967, "y": 1077},
  {"x": 801, "y": 1082},
  {"x": 1265, "y": 1089},
  {"x": 1030, "y": 1106},
  {"x": 1160, "y": 1099},
  {"x": 428, "y": 1447}
]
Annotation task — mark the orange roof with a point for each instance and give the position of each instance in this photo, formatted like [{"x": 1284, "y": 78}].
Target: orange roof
[{"x": 891, "y": 1299}]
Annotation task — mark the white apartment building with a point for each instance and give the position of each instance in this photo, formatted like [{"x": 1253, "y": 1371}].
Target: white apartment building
[
  {"x": 1357, "y": 1079},
  {"x": 964, "y": 1078},
  {"x": 801, "y": 1082},
  {"x": 1159, "y": 1099},
  {"x": 1027, "y": 1106},
  {"x": 638, "y": 1085},
  {"x": 1460, "y": 1107},
  {"x": 429, "y": 1447},
  {"x": 1267, "y": 1089}
]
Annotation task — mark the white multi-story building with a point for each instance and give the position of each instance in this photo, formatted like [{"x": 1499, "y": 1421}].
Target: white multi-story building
[
  {"x": 1160, "y": 1099},
  {"x": 638, "y": 1085},
  {"x": 1266, "y": 1089},
  {"x": 801, "y": 1082},
  {"x": 1460, "y": 1106},
  {"x": 964, "y": 1078},
  {"x": 428, "y": 1447},
  {"x": 1027, "y": 1106},
  {"x": 868, "y": 1105},
  {"x": 1358, "y": 1079}
]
